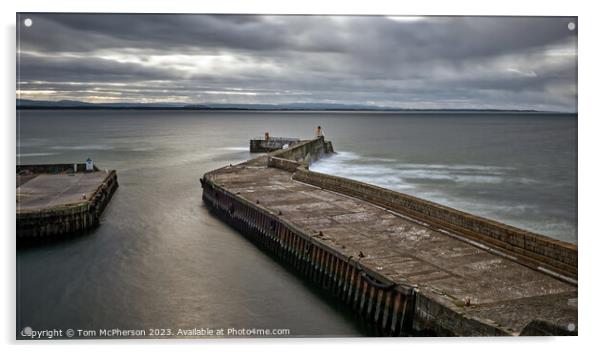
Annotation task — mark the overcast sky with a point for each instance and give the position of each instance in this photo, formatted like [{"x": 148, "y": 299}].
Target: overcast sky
[{"x": 406, "y": 62}]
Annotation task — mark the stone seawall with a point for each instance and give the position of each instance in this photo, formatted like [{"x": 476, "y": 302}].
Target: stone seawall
[
  {"x": 270, "y": 145},
  {"x": 386, "y": 306},
  {"x": 282, "y": 207},
  {"x": 59, "y": 221},
  {"x": 284, "y": 164},
  {"x": 305, "y": 152},
  {"x": 531, "y": 248},
  {"x": 391, "y": 309},
  {"x": 52, "y": 168}
]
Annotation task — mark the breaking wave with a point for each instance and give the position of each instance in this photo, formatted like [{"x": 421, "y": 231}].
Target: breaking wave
[
  {"x": 83, "y": 148},
  {"x": 398, "y": 175},
  {"x": 36, "y": 154},
  {"x": 233, "y": 148},
  {"x": 473, "y": 188}
]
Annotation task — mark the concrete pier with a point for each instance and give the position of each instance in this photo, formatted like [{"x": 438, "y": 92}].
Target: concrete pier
[
  {"x": 56, "y": 200},
  {"x": 270, "y": 144},
  {"x": 406, "y": 265}
]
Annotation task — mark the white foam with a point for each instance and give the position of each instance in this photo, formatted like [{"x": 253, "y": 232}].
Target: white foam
[
  {"x": 342, "y": 165},
  {"x": 38, "y": 154},
  {"x": 233, "y": 148},
  {"x": 351, "y": 169},
  {"x": 418, "y": 178},
  {"x": 451, "y": 175},
  {"x": 458, "y": 167},
  {"x": 143, "y": 149},
  {"x": 31, "y": 142},
  {"x": 340, "y": 157},
  {"x": 83, "y": 147}
]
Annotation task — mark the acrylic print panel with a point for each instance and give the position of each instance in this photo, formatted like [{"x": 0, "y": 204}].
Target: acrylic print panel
[{"x": 222, "y": 176}]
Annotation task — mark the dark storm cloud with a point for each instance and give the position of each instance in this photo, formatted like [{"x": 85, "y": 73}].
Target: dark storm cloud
[
  {"x": 58, "y": 68},
  {"x": 87, "y": 32},
  {"x": 458, "y": 62}
]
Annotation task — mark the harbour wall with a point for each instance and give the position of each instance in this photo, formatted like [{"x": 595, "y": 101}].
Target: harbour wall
[
  {"x": 303, "y": 153},
  {"x": 391, "y": 309},
  {"x": 271, "y": 144},
  {"x": 394, "y": 309},
  {"x": 52, "y": 168},
  {"x": 388, "y": 307},
  {"x": 59, "y": 221},
  {"x": 533, "y": 249}
]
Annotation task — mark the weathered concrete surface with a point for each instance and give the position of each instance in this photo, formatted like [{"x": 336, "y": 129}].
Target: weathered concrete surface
[
  {"x": 22, "y": 179},
  {"x": 52, "y": 201},
  {"x": 442, "y": 270},
  {"x": 50, "y": 190}
]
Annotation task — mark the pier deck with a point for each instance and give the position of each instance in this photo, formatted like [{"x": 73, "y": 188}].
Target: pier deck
[
  {"x": 51, "y": 190},
  {"x": 445, "y": 268},
  {"x": 54, "y": 201}
]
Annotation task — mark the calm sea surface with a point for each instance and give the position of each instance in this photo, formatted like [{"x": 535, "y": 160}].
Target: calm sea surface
[{"x": 160, "y": 260}]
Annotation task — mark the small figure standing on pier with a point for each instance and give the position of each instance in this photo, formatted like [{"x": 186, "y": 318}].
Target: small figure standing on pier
[
  {"x": 267, "y": 135},
  {"x": 319, "y": 131}
]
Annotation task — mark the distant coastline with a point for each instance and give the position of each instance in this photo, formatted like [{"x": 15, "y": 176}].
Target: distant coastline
[{"x": 24, "y": 104}]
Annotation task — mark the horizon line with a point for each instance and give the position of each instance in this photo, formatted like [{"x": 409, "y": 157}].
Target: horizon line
[{"x": 76, "y": 104}]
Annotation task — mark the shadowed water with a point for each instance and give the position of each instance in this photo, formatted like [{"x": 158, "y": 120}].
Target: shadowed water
[{"x": 159, "y": 259}]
